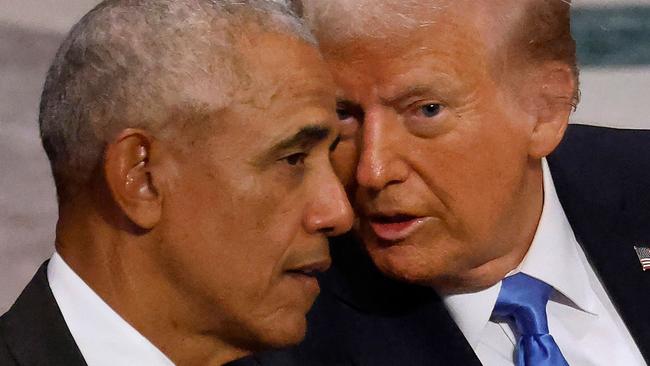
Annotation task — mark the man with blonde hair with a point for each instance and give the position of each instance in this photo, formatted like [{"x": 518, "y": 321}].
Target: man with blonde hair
[{"x": 490, "y": 231}]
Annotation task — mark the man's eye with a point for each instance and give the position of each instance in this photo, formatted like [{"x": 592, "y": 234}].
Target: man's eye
[
  {"x": 343, "y": 113},
  {"x": 430, "y": 110},
  {"x": 350, "y": 115},
  {"x": 295, "y": 159}
]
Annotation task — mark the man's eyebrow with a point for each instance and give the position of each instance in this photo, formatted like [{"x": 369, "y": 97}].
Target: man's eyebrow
[
  {"x": 342, "y": 100},
  {"x": 306, "y": 137},
  {"x": 409, "y": 92},
  {"x": 347, "y": 103}
]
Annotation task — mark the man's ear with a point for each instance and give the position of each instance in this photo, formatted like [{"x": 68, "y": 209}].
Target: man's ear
[
  {"x": 131, "y": 177},
  {"x": 554, "y": 87}
]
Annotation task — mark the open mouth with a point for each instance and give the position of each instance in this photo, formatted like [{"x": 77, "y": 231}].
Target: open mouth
[
  {"x": 395, "y": 227},
  {"x": 395, "y": 219}
]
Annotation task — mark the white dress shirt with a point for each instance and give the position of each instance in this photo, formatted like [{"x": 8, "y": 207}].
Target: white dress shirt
[
  {"x": 581, "y": 317},
  {"x": 103, "y": 337}
]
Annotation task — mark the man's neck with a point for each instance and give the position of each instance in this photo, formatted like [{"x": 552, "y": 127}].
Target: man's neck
[{"x": 118, "y": 267}]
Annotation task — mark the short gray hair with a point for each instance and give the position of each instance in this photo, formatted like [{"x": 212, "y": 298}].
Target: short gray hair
[{"x": 136, "y": 63}]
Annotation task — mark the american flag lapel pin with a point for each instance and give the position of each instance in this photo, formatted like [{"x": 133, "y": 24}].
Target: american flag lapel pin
[{"x": 644, "y": 257}]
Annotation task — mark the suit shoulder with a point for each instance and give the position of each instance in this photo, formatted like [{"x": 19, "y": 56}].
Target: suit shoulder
[
  {"x": 34, "y": 331},
  {"x": 602, "y": 177},
  {"x": 6, "y": 358},
  {"x": 604, "y": 148},
  {"x": 603, "y": 163}
]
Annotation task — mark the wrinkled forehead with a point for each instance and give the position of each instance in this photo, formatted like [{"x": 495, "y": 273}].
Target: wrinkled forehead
[
  {"x": 455, "y": 40},
  {"x": 274, "y": 79},
  {"x": 397, "y": 26},
  {"x": 262, "y": 64},
  {"x": 279, "y": 64}
]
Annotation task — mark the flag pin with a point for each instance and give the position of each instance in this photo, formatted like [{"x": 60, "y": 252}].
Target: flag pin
[{"x": 644, "y": 257}]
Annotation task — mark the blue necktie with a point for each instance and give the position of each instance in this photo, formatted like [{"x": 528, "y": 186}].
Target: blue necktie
[{"x": 523, "y": 300}]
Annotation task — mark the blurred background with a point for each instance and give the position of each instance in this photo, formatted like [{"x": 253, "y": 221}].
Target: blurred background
[{"x": 613, "y": 44}]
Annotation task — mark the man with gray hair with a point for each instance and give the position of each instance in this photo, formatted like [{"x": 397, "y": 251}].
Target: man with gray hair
[
  {"x": 190, "y": 145},
  {"x": 519, "y": 236}
]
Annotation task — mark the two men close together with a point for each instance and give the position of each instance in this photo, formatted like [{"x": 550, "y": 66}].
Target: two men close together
[{"x": 191, "y": 142}]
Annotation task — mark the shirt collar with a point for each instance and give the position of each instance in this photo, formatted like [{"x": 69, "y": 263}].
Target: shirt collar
[
  {"x": 552, "y": 258},
  {"x": 103, "y": 337},
  {"x": 553, "y": 254},
  {"x": 472, "y": 311}
]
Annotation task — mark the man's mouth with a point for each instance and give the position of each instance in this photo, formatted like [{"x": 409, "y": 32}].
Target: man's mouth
[
  {"x": 310, "y": 269},
  {"x": 305, "y": 274},
  {"x": 395, "y": 227}
]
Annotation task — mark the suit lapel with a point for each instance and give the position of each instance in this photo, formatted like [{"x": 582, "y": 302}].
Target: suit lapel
[
  {"x": 425, "y": 335},
  {"x": 34, "y": 328},
  {"x": 608, "y": 241},
  {"x": 607, "y": 204},
  {"x": 398, "y": 323},
  {"x": 617, "y": 265}
]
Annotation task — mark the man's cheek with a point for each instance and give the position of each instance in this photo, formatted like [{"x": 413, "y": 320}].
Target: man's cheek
[{"x": 344, "y": 161}]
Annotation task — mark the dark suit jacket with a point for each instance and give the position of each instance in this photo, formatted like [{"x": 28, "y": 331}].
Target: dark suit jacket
[
  {"x": 33, "y": 331},
  {"x": 602, "y": 177}
]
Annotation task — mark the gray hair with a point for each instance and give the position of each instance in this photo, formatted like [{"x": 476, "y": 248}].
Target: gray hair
[{"x": 136, "y": 64}]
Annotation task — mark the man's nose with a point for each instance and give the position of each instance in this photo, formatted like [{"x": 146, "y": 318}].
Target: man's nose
[
  {"x": 330, "y": 212},
  {"x": 379, "y": 163}
]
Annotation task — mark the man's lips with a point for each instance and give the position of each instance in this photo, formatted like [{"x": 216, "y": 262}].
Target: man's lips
[
  {"x": 395, "y": 227},
  {"x": 311, "y": 268},
  {"x": 305, "y": 274}
]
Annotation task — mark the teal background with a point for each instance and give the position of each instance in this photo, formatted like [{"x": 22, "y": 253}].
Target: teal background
[{"x": 612, "y": 36}]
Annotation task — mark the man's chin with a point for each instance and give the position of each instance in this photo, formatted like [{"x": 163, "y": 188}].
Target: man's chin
[
  {"x": 283, "y": 334},
  {"x": 404, "y": 263},
  {"x": 425, "y": 267}
]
